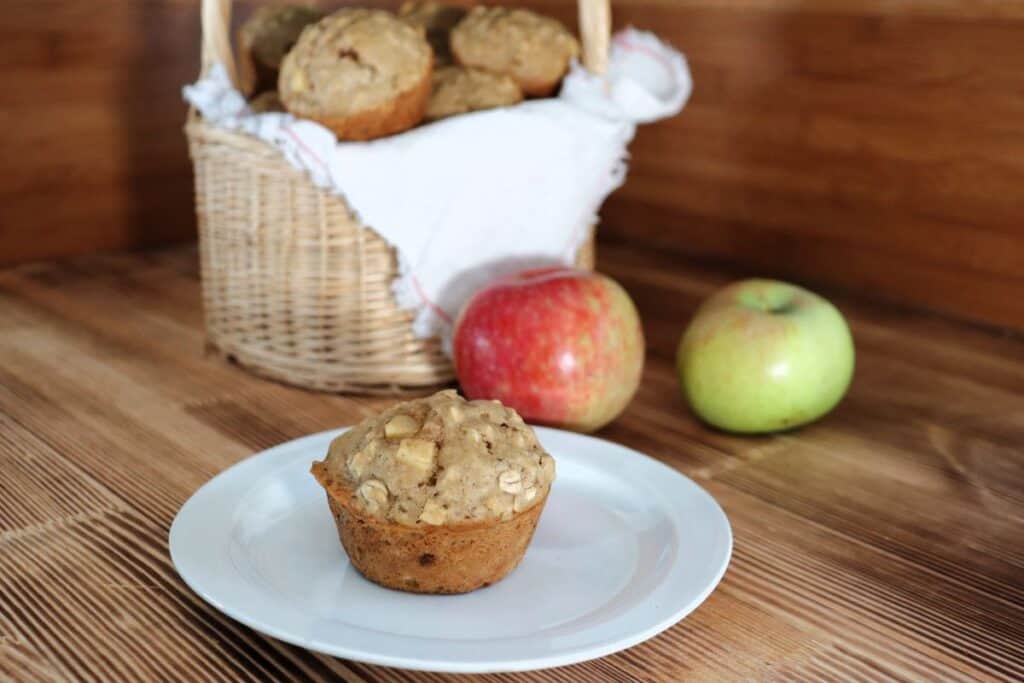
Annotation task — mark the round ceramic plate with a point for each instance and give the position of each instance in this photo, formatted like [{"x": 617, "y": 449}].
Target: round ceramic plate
[{"x": 626, "y": 547}]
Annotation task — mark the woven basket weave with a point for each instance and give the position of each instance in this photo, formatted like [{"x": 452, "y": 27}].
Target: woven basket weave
[{"x": 294, "y": 287}]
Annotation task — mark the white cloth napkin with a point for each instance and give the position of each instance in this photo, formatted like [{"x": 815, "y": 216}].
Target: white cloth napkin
[{"x": 470, "y": 198}]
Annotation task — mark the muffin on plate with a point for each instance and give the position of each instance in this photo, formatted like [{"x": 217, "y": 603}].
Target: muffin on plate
[
  {"x": 263, "y": 41},
  {"x": 534, "y": 50},
  {"x": 437, "y": 19},
  {"x": 458, "y": 90},
  {"x": 437, "y": 495},
  {"x": 362, "y": 73}
]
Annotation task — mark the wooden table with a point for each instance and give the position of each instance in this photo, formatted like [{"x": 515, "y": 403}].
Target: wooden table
[{"x": 886, "y": 541}]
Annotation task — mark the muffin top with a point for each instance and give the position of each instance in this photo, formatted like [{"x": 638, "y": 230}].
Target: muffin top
[
  {"x": 458, "y": 89},
  {"x": 533, "y": 49},
  {"x": 351, "y": 61},
  {"x": 437, "y": 19},
  {"x": 442, "y": 460},
  {"x": 271, "y": 31}
]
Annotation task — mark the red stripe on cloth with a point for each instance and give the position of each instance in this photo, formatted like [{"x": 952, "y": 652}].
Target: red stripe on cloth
[
  {"x": 626, "y": 44},
  {"x": 430, "y": 304},
  {"x": 298, "y": 141}
]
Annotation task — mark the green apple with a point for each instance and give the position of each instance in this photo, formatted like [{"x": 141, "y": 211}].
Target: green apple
[{"x": 764, "y": 355}]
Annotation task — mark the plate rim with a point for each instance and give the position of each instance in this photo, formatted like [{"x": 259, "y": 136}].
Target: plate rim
[{"x": 538, "y": 662}]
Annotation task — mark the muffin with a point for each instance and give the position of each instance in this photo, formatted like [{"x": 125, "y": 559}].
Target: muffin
[
  {"x": 263, "y": 41},
  {"x": 362, "y": 73},
  {"x": 535, "y": 51},
  {"x": 437, "y": 495},
  {"x": 458, "y": 90},
  {"x": 268, "y": 101},
  {"x": 437, "y": 19}
]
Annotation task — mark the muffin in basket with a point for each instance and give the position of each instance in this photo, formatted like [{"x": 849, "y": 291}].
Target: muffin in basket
[
  {"x": 534, "y": 50},
  {"x": 268, "y": 101},
  {"x": 437, "y": 495},
  {"x": 363, "y": 73},
  {"x": 458, "y": 90},
  {"x": 437, "y": 19},
  {"x": 263, "y": 41}
]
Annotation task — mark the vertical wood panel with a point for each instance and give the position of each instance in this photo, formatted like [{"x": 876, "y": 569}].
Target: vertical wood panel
[
  {"x": 91, "y": 123},
  {"x": 875, "y": 145}
]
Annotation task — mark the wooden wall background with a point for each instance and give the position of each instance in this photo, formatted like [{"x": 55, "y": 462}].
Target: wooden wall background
[{"x": 873, "y": 145}]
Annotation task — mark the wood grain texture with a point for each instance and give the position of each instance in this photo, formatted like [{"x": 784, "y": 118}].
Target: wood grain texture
[
  {"x": 880, "y": 543},
  {"x": 91, "y": 120},
  {"x": 90, "y": 124},
  {"x": 872, "y": 145}
]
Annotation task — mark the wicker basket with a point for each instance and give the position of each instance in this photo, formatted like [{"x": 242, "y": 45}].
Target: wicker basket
[{"x": 294, "y": 287}]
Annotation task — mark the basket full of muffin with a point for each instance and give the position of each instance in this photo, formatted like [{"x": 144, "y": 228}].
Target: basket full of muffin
[{"x": 363, "y": 172}]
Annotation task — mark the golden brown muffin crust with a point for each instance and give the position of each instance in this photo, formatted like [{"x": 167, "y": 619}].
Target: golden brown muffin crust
[
  {"x": 427, "y": 559},
  {"x": 458, "y": 89},
  {"x": 363, "y": 73},
  {"x": 534, "y": 50}
]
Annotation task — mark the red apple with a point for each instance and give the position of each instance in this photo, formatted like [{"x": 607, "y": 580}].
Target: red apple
[{"x": 561, "y": 346}]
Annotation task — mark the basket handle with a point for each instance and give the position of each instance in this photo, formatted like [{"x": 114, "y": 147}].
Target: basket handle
[
  {"x": 595, "y": 34},
  {"x": 595, "y": 17},
  {"x": 215, "y": 18}
]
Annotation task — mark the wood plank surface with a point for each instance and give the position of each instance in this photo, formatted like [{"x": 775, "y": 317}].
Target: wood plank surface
[
  {"x": 872, "y": 144},
  {"x": 882, "y": 543}
]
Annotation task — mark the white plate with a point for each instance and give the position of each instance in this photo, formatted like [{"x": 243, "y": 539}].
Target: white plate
[{"x": 625, "y": 548}]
